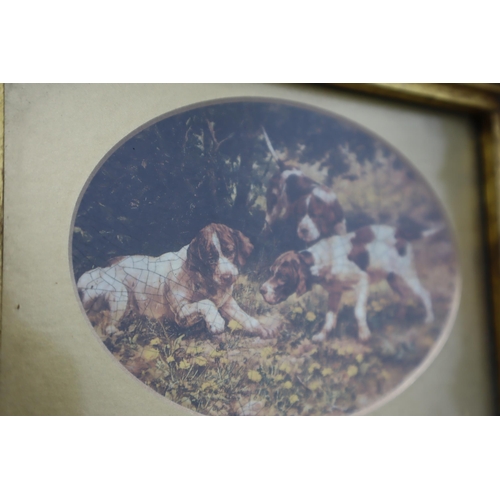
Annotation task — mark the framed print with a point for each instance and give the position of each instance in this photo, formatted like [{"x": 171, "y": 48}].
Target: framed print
[{"x": 248, "y": 250}]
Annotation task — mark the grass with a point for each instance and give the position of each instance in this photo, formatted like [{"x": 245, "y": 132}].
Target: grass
[{"x": 234, "y": 374}]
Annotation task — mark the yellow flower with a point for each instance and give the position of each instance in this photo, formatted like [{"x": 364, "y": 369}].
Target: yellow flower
[
  {"x": 155, "y": 341},
  {"x": 279, "y": 377},
  {"x": 184, "y": 365},
  {"x": 297, "y": 310},
  {"x": 293, "y": 398},
  {"x": 310, "y": 316},
  {"x": 326, "y": 371},
  {"x": 254, "y": 376},
  {"x": 150, "y": 353},
  {"x": 234, "y": 325},
  {"x": 287, "y": 385},
  {"x": 217, "y": 354},
  {"x": 352, "y": 371},
  {"x": 200, "y": 361},
  {"x": 208, "y": 385},
  {"x": 170, "y": 359},
  {"x": 359, "y": 358},
  {"x": 194, "y": 349},
  {"x": 315, "y": 384},
  {"x": 285, "y": 367},
  {"x": 266, "y": 352},
  {"x": 314, "y": 366}
]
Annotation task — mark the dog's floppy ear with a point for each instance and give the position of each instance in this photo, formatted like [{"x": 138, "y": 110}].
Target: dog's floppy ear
[
  {"x": 243, "y": 245},
  {"x": 298, "y": 186},
  {"x": 304, "y": 263},
  {"x": 302, "y": 286},
  {"x": 197, "y": 252}
]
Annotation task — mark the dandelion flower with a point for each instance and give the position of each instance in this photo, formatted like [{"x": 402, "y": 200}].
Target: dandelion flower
[
  {"x": 170, "y": 359},
  {"x": 266, "y": 352},
  {"x": 314, "y": 366},
  {"x": 217, "y": 354},
  {"x": 200, "y": 361},
  {"x": 293, "y": 398},
  {"x": 184, "y": 365},
  {"x": 254, "y": 376},
  {"x": 208, "y": 385},
  {"x": 287, "y": 385},
  {"x": 352, "y": 371},
  {"x": 326, "y": 371},
  {"x": 234, "y": 325},
  {"x": 315, "y": 384},
  {"x": 150, "y": 353},
  {"x": 285, "y": 367},
  {"x": 310, "y": 316}
]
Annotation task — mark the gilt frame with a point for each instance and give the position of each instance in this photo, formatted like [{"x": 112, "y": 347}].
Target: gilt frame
[{"x": 481, "y": 102}]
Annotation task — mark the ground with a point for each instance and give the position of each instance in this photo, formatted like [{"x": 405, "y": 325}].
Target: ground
[{"x": 238, "y": 374}]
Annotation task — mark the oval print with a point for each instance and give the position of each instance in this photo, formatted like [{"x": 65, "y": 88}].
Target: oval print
[{"x": 263, "y": 258}]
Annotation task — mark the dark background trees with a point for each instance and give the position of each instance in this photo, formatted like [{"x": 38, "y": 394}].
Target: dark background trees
[{"x": 209, "y": 164}]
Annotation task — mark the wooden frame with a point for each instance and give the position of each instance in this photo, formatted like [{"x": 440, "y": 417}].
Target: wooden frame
[{"x": 482, "y": 102}]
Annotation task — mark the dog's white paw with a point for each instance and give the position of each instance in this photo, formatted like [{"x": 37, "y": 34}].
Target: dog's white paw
[
  {"x": 364, "y": 333},
  {"x": 217, "y": 326},
  {"x": 268, "y": 327},
  {"x": 111, "y": 330},
  {"x": 319, "y": 337}
]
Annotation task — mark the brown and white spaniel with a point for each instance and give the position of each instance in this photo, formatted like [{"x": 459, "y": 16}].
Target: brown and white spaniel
[
  {"x": 313, "y": 209},
  {"x": 348, "y": 263},
  {"x": 193, "y": 284}
]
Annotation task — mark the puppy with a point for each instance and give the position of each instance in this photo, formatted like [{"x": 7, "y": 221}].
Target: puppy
[
  {"x": 348, "y": 263},
  {"x": 191, "y": 285}
]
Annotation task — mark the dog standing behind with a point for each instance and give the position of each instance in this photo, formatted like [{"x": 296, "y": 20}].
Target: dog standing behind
[
  {"x": 305, "y": 207},
  {"x": 349, "y": 263}
]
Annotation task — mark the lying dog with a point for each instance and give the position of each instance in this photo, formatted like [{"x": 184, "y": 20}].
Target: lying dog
[
  {"x": 348, "y": 262},
  {"x": 187, "y": 286}
]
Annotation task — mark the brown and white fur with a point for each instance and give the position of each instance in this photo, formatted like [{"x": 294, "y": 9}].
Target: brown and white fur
[
  {"x": 348, "y": 263},
  {"x": 314, "y": 209},
  {"x": 291, "y": 196},
  {"x": 193, "y": 284}
]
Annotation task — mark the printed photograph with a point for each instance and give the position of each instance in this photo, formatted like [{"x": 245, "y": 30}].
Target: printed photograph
[{"x": 260, "y": 257}]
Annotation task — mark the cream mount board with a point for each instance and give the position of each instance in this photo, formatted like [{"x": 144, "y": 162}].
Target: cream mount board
[{"x": 53, "y": 363}]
